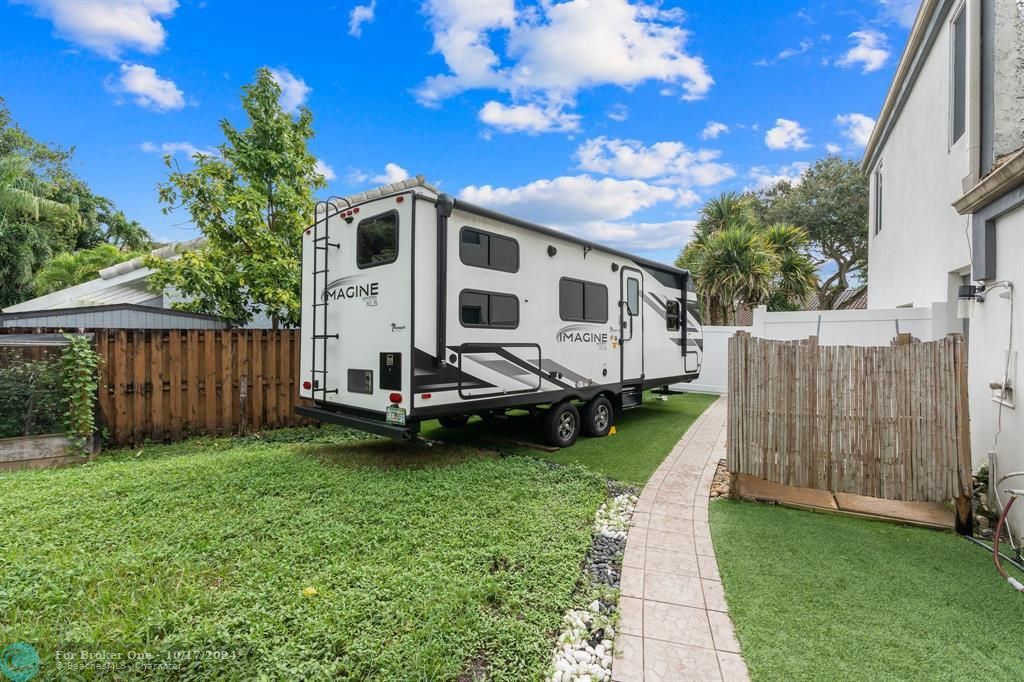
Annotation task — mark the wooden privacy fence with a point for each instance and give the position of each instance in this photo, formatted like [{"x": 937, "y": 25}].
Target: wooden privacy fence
[
  {"x": 888, "y": 422},
  {"x": 169, "y": 384}
]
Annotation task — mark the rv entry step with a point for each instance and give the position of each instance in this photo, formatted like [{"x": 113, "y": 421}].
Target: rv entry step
[{"x": 632, "y": 396}]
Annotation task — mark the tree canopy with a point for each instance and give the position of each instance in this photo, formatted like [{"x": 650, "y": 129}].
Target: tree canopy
[
  {"x": 45, "y": 210},
  {"x": 831, "y": 204},
  {"x": 251, "y": 202},
  {"x": 736, "y": 259}
]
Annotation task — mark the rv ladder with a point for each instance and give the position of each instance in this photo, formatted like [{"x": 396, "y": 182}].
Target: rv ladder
[
  {"x": 632, "y": 396},
  {"x": 321, "y": 245}
]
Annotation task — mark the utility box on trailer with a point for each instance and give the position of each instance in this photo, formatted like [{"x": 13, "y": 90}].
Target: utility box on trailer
[{"x": 418, "y": 306}]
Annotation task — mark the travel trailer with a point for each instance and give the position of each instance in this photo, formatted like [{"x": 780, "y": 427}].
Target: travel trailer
[{"x": 418, "y": 306}]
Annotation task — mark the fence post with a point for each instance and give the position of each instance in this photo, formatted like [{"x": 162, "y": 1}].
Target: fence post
[{"x": 964, "y": 518}]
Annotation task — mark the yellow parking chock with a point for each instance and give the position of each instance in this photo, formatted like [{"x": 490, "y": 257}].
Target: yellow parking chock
[{"x": 611, "y": 431}]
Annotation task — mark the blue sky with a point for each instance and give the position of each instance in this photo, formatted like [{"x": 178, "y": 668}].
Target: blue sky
[{"x": 610, "y": 119}]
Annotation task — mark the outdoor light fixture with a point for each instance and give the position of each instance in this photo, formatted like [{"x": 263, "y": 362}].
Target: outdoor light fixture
[{"x": 966, "y": 295}]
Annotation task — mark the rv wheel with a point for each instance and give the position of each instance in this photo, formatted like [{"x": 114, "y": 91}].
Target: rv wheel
[
  {"x": 597, "y": 417},
  {"x": 561, "y": 424},
  {"x": 455, "y": 422}
]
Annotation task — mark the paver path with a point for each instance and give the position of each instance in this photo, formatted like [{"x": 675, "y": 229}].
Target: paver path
[{"x": 675, "y": 625}]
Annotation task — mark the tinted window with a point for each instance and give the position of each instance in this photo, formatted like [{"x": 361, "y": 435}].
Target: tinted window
[
  {"x": 377, "y": 240},
  {"x": 672, "y": 315},
  {"x": 959, "y": 94},
  {"x": 485, "y": 309},
  {"x": 486, "y": 250},
  {"x": 582, "y": 301},
  {"x": 878, "y": 200},
  {"x": 633, "y": 296}
]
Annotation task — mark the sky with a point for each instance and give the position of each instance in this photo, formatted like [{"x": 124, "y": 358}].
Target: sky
[{"x": 610, "y": 119}]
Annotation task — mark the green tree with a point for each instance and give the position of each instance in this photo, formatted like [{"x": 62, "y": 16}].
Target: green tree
[
  {"x": 68, "y": 269},
  {"x": 251, "y": 202},
  {"x": 735, "y": 260},
  {"x": 831, "y": 204}
]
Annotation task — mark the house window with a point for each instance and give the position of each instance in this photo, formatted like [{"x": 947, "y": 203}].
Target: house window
[
  {"x": 878, "y": 200},
  {"x": 580, "y": 301},
  {"x": 488, "y": 309},
  {"x": 377, "y": 240},
  {"x": 672, "y": 315},
  {"x": 958, "y": 108},
  {"x": 486, "y": 250}
]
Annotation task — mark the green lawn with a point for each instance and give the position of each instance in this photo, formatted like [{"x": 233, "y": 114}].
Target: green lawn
[
  {"x": 822, "y": 597},
  {"x": 645, "y": 436},
  {"x": 427, "y": 562}
]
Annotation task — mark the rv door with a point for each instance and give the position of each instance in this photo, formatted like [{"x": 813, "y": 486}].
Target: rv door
[{"x": 632, "y": 324}]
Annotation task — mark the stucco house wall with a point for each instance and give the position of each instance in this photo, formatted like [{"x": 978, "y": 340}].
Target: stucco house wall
[{"x": 953, "y": 213}]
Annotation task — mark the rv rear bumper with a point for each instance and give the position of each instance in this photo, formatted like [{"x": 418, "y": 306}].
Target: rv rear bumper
[{"x": 368, "y": 424}]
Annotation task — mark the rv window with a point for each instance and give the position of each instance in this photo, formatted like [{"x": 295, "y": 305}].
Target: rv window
[
  {"x": 633, "y": 296},
  {"x": 582, "y": 301},
  {"x": 672, "y": 315},
  {"x": 484, "y": 309},
  {"x": 486, "y": 250},
  {"x": 377, "y": 240}
]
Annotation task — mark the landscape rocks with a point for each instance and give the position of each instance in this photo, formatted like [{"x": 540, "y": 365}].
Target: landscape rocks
[
  {"x": 722, "y": 481},
  {"x": 586, "y": 643}
]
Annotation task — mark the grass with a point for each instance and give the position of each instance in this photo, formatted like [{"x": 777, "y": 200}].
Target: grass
[
  {"x": 426, "y": 563},
  {"x": 645, "y": 436},
  {"x": 816, "y": 596}
]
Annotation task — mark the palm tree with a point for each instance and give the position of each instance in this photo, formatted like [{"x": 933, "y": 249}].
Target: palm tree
[
  {"x": 22, "y": 192},
  {"x": 735, "y": 260},
  {"x": 68, "y": 269}
]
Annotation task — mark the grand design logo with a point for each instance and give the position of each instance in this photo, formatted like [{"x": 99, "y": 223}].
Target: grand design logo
[
  {"x": 345, "y": 288},
  {"x": 579, "y": 333}
]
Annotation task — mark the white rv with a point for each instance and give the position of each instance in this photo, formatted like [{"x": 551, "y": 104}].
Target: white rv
[{"x": 418, "y": 306}]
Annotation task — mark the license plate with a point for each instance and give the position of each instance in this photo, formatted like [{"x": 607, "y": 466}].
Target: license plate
[{"x": 395, "y": 415}]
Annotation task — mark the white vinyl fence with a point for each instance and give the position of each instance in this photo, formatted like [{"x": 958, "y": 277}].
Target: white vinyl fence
[{"x": 832, "y": 327}]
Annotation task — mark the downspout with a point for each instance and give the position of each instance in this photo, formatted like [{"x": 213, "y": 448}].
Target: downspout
[{"x": 445, "y": 205}]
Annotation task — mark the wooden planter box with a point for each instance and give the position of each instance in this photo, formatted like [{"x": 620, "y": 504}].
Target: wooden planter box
[{"x": 37, "y": 452}]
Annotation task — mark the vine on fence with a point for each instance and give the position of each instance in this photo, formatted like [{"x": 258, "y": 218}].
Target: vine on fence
[{"x": 79, "y": 363}]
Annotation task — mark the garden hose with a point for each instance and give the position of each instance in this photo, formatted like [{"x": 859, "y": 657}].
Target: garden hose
[{"x": 1016, "y": 584}]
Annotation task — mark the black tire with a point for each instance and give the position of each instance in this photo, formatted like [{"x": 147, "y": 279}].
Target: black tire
[
  {"x": 598, "y": 417},
  {"x": 561, "y": 425},
  {"x": 454, "y": 422}
]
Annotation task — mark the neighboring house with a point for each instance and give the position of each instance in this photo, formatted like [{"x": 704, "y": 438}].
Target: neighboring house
[
  {"x": 850, "y": 299},
  {"x": 946, "y": 169},
  {"x": 121, "y": 297}
]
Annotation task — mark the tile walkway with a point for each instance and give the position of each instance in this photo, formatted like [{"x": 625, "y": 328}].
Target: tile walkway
[{"x": 675, "y": 625}]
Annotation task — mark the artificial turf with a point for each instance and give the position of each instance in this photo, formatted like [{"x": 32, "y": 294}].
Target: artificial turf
[
  {"x": 354, "y": 559},
  {"x": 816, "y": 597},
  {"x": 644, "y": 436}
]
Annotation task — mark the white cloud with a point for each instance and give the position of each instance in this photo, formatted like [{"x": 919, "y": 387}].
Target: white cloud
[
  {"x": 186, "y": 149},
  {"x": 108, "y": 27},
  {"x": 553, "y": 50},
  {"x": 903, "y": 12},
  {"x": 361, "y": 14},
  {"x": 618, "y": 112},
  {"x": 294, "y": 91},
  {"x": 148, "y": 90},
  {"x": 579, "y": 198},
  {"x": 856, "y": 127},
  {"x": 669, "y": 162},
  {"x": 833, "y": 148},
  {"x": 713, "y": 129},
  {"x": 805, "y": 45},
  {"x": 392, "y": 173},
  {"x": 786, "y": 134},
  {"x": 871, "y": 51},
  {"x": 528, "y": 118},
  {"x": 593, "y": 209},
  {"x": 323, "y": 169},
  {"x": 763, "y": 176}
]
